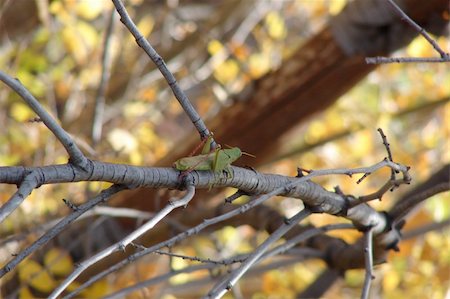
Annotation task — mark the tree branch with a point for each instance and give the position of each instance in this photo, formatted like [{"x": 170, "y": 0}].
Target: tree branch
[
  {"x": 121, "y": 245},
  {"x": 159, "y": 62},
  {"x": 50, "y": 234},
  {"x": 77, "y": 158}
]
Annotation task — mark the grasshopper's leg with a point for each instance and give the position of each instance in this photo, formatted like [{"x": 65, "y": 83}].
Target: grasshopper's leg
[{"x": 215, "y": 164}]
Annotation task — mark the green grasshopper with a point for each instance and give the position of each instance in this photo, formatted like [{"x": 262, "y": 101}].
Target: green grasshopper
[{"x": 217, "y": 160}]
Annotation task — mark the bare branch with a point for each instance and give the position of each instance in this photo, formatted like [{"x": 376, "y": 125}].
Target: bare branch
[
  {"x": 121, "y": 245},
  {"x": 381, "y": 59},
  {"x": 29, "y": 182},
  {"x": 159, "y": 62},
  {"x": 77, "y": 158},
  {"x": 226, "y": 284},
  {"x": 102, "y": 197},
  {"x": 368, "y": 253},
  {"x": 444, "y": 57},
  {"x": 181, "y": 236},
  {"x": 419, "y": 29},
  {"x": 385, "y": 143}
]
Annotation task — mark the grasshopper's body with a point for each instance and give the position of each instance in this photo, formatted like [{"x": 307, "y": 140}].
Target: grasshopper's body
[{"x": 218, "y": 160}]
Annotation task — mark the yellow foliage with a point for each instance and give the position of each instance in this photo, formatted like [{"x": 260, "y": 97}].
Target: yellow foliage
[
  {"x": 419, "y": 218},
  {"x": 9, "y": 159},
  {"x": 363, "y": 143},
  {"x": 97, "y": 186},
  {"x": 241, "y": 51},
  {"x": 25, "y": 293},
  {"x": 259, "y": 64},
  {"x": 90, "y": 9},
  {"x": 58, "y": 262},
  {"x": 214, "y": 47},
  {"x": 275, "y": 25},
  {"x": 336, "y": 6},
  {"x": 178, "y": 264},
  {"x": 391, "y": 280},
  {"x": 21, "y": 112},
  {"x": 354, "y": 278},
  {"x": 97, "y": 290},
  {"x": 36, "y": 87},
  {"x": 419, "y": 47},
  {"x": 36, "y": 276},
  {"x": 227, "y": 71},
  {"x": 122, "y": 141},
  {"x": 146, "y": 25},
  {"x": 148, "y": 94},
  {"x": 275, "y": 282},
  {"x": 135, "y": 109},
  {"x": 80, "y": 39},
  {"x": 439, "y": 206},
  {"x": 316, "y": 131}
]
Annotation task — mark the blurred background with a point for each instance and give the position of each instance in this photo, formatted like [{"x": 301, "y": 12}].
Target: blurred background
[{"x": 217, "y": 51}]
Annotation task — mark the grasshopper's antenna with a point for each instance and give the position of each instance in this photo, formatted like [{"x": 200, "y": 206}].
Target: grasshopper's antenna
[
  {"x": 244, "y": 153},
  {"x": 248, "y": 154}
]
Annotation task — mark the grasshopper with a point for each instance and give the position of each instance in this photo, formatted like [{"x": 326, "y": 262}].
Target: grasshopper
[{"x": 217, "y": 160}]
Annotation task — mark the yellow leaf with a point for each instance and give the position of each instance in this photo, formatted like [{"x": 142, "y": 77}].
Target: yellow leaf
[
  {"x": 227, "y": 71},
  {"x": 122, "y": 141},
  {"x": 80, "y": 40},
  {"x": 135, "y": 110},
  {"x": 90, "y": 9},
  {"x": 354, "y": 278},
  {"x": 97, "y": 290},
  {"x": 25, "y": 293},
  {"x": 419, "y": 47},
  {"x": 58, "y": 262},
  {"x": 336, "y": 6},
  {"x": 391, "y": 280},
  {"x": 259, "y": 64},
  {"x": 36, "y": 276},
  {"x": 214, "y": 47},
  {"x": 73, "y": 286},
  {"x": 21, "y": 112},
  {"x": 146, "y": 25},
  {"x": 275, "y": 25}
]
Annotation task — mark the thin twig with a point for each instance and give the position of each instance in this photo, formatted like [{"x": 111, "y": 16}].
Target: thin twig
[
  {"x": 159, "y": 62},
  {"x": 77, "y": 158},
  {"x": 368, "y": 253},
  {"x": 226, "y": 284},
  {"x": 121, "y": 245},
  {"x": 30, "y": 182},
  {"x": 168, "y": 243},
  {"x": 418, "y": 28},
  {"x": 97, "y": 124},
  {"x": 444, "y": 57},
  {"x": 287, "y": 248},
  {"x": 97, "y": 210},
  {"x": 386, "y": 144},
  {"x": 197, "y": 259},
  {"x": 102, "y": 197},
  {"x": 235, "y": 196},
  {"x": 165, "y": 277},
  {"x": 381, "y": 59}
]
